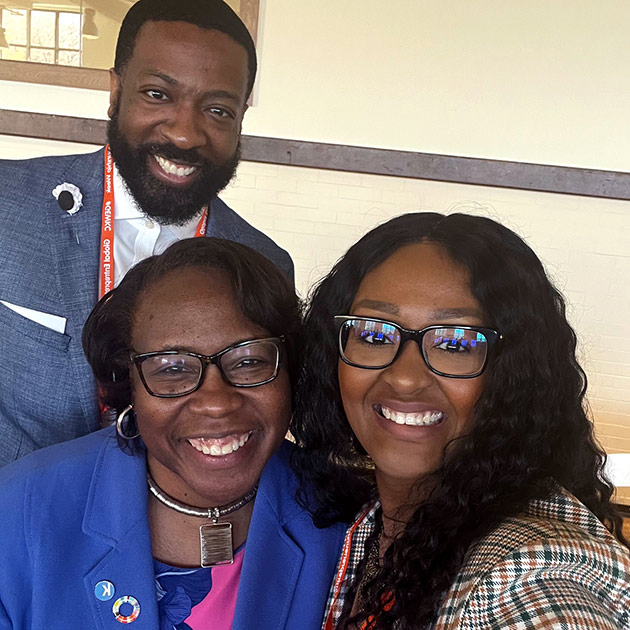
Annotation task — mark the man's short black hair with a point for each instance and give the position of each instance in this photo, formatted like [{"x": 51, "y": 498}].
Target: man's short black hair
[{"x": 208, "y": 14}]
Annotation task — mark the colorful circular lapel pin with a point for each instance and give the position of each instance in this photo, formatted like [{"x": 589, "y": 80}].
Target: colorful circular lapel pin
[
  {"x": 126, "y": 609},
  {"x": 104, "y": 590}
]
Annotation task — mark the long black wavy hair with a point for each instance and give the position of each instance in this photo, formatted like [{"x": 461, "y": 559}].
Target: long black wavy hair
[
  {"x": 262, "y": 292},
  {"x": 531, "y": 428}
]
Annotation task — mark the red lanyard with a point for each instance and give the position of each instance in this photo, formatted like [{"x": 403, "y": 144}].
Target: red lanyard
[
  {"x": 341, "y": 574},
  {"x": 343, "y": 568},
  {"x": 106, "y": 279}
]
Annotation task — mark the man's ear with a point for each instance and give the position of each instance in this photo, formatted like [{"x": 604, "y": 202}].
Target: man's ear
[{"x": 114, "y": 91}]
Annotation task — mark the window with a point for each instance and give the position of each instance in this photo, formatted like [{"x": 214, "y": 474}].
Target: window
[{"x": 43, "y": 36}]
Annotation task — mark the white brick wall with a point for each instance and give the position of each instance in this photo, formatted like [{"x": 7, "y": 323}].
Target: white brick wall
[{"x": 585, "y": 244}]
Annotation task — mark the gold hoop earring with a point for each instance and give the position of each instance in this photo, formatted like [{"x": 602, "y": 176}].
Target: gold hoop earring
[{"x": 119, "y": 424}]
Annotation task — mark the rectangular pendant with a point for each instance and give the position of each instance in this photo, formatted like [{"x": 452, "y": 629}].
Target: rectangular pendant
[{"x": 216, "y": 544}]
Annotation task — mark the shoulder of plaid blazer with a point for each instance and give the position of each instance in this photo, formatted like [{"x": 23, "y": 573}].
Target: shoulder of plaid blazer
[{"x": 555, "y": 566}]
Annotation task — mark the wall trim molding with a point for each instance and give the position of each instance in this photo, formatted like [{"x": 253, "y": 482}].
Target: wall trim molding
[{"x": 408, "y": 164}]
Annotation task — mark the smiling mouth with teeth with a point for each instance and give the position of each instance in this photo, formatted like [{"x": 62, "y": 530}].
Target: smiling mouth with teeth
[
  {"x": 170, "y": 168},
  {"x": 420, "y": 419},
  {"x": 218, "y": 447}
]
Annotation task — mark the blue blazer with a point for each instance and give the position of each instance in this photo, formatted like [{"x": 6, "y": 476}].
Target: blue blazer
[
  {"x": 75, "y": 514},
  {"x": 49, "y": 263}
]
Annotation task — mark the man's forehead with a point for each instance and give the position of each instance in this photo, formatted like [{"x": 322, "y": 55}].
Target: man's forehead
[
  {"x": 174, "y": 50},
  {"x": 152, "y": 33}
]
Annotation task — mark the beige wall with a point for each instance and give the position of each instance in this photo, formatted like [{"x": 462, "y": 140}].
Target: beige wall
[
  {"x": 532, "y": 81},
  {"x": 538, "y": 81}
]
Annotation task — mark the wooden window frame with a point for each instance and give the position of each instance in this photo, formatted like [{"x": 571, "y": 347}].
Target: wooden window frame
[{"x": 56, "y": 49}]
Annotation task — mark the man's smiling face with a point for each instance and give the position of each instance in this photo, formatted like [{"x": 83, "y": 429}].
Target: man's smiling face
[{"x": 175, "y": 117}]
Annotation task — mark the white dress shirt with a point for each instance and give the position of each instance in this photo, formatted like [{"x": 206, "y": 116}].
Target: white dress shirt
[{"x": 136, "y": 236}]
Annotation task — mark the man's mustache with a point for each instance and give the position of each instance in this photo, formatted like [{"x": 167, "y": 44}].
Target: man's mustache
[{"x": 174, "y": 154}]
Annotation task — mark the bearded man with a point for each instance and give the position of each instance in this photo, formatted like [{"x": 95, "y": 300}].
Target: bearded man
[{"x": 72, "y": 226}]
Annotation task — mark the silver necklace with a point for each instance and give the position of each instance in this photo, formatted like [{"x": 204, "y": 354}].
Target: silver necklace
[{"x": 215, "y": 538}]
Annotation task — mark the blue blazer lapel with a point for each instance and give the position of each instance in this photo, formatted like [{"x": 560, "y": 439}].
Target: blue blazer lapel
[
  {"x": 289, "y": 564},
  {"x": 128, "y": 567},
  {"x": 116, "y": 516},
  {"x": 75, "y": 248},
  {"x": 271, "y": 569}
]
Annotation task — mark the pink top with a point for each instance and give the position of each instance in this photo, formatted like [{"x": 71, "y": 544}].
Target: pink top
[
  {"x": 216, "y": 610},
  {"x": 198, "y": 599}
]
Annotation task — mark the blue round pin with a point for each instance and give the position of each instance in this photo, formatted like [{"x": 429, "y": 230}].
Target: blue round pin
[{"x": 104, "y": 590}]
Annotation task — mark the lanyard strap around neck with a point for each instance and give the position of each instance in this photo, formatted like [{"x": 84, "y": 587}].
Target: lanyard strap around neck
[
  {"x": 343, "y": 568},
  {"x": 106, "y": 263}
]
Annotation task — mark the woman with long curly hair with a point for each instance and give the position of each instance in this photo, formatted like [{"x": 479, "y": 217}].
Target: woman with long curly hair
[{"x": 442, "y": 412}]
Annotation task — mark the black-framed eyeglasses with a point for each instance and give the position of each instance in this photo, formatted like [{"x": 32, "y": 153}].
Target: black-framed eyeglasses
[
  {"x": 448, "y": 350},
  {"x": 172, "y": 373}
]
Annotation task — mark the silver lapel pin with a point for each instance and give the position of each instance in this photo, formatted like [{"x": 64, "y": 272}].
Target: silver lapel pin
[{"x": 68, "y": 197}]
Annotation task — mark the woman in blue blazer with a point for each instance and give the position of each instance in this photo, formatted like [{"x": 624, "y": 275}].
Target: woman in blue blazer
[{"x": 182, "y": 515}]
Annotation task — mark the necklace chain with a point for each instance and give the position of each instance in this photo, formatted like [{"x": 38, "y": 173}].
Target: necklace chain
[{"x": 214, "y": 513}]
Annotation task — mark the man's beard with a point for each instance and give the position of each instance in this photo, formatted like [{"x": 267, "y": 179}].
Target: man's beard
[{"x": 168, "y": 205}]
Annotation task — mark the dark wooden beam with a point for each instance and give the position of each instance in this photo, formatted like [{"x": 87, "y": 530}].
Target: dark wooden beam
[
  {"x": 51, "y": 127},
  {"x": 68, "y": 76},
  {"x": 444, "y": 168}
]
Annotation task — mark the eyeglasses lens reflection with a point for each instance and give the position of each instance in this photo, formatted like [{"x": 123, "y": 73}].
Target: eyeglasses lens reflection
[
  {"x": 449, "y": 350},
  {"x": 179, "y": 373}
]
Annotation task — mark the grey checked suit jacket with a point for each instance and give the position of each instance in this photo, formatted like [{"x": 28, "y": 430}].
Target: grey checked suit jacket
[{"x": 49, "y": 263}]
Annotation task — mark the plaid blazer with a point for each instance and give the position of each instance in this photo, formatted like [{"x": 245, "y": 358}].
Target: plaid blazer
[{"x": 554, "y": 567}]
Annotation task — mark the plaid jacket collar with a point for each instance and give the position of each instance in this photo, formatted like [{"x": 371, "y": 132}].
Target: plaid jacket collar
[{"x": 355, "y": 539}]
